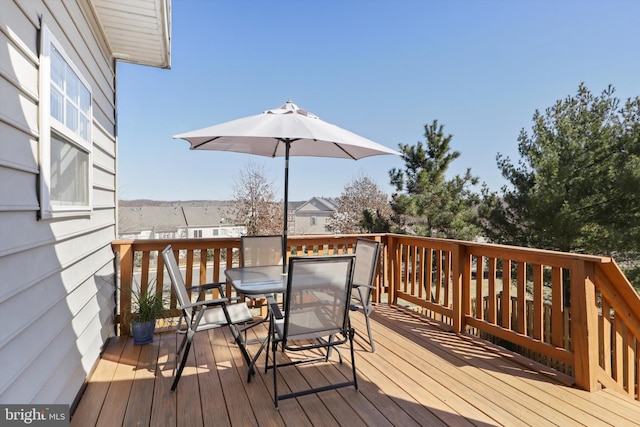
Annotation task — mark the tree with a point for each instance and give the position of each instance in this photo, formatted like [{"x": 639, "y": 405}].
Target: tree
[
  {"x": 254, "y": 203},
  {"x": 425, "y": 202},
  {"x": 360, "y": 199},
  {"x": 576, "y": 184}
]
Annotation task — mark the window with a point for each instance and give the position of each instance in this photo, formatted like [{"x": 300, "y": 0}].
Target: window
[
  {"x": 66, "y": 177},
  {"x": 197, "y": 234},
  {"x": 314, "y": 220}
]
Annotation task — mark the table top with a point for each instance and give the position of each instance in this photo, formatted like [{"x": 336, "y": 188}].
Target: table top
[{"x": 257, "y": 280}]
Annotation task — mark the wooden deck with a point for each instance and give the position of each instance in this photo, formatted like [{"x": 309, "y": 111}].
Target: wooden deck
[{"x": 419, "y": 376}]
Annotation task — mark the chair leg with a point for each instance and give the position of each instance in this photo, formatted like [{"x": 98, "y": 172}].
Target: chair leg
[
  {"x": 266, "y": 353},
  {"x": 330, "y": 350},
  {"x": 275, "y": 376},
  {"x": 353, "y": 360},
  {"x": 181, "y": 366},
  {"x": 182, "y": 343},
  {"x": 366, "y": 318},
  {"x": 367, "y": 309}
]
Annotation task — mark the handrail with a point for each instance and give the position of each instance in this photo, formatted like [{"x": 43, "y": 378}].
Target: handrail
[
  {"x": 574, "y": 312},
  {"x": 545, "y": 302}
]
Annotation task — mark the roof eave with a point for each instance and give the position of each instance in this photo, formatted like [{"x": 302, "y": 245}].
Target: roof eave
[{"x": 136, "y": 32}]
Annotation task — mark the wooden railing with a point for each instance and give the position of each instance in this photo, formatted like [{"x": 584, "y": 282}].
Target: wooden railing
[
  {"x": 140, "y": 265},
  {"x": 576, "y": 312}
]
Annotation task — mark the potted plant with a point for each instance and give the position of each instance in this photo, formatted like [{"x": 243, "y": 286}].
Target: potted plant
[{"x": 146, "y": 307}]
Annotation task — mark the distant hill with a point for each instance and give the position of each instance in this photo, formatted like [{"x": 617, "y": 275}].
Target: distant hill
[
  {"x": 137, "y": 203},
  {"x": 148, "y": 202}
]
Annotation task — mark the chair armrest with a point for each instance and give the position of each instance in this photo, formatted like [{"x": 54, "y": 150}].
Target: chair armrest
[
  {"x": 207, "y": 285},
  {"x": 218, "y": 301},
  {"x": 274, "y": 307},
  {"x": 363, "y": 286},
  {"x": 202, "y": 289}
]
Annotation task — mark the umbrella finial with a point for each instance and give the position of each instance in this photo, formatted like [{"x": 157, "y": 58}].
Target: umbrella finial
[{"x": 287, "y": 108}]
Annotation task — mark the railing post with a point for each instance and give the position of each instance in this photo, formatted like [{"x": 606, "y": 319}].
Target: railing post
[
  {"x": 126, "y": 283},
  {"x": 381, "y": 270},
  {"x": 392, "y": 269},
  {"x": 461, "y": 266},
  {"x": 584, "y": 325}
]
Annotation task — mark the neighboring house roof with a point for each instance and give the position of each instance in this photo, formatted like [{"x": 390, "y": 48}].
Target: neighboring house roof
[
  {"x": 159, "y": 218},
  {"x": 318, "y": 204},
  {"x": 202, "y": 216},
  {"x": 171, "y": 216},
  {"x": 136, "y": 31},
  {"x": 293, "y": 206}
]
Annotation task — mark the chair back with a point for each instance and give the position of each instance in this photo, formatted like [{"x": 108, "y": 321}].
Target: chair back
[
  {"x": 177, "y": 281},
  {"x": 366, "y": 262},
  {"x": 318, "y": 295},
  {"x": 261, "y": 250}
]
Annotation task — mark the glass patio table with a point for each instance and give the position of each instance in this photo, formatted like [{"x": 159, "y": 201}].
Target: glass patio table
[{"x": 260, "y": 280}]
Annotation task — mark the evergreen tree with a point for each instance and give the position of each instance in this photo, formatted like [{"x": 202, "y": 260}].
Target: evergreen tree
[
  {"x": 425, "y": 202},
  {"x": 576, "y": 186}
]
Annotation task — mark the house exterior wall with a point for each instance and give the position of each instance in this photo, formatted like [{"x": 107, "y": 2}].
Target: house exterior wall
[
  {"x": 311, "y": 223},
  {"x": 207, "y": 232},
  {"x": 311, "y": 217},
  {"x": 56, "y": 275}
]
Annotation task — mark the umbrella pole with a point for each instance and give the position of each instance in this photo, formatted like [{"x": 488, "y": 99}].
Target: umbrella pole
[{"x": 287, "y": 144}]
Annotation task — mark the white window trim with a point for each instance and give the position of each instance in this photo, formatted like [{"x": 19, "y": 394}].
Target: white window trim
[{"x": 48, "y": 123}]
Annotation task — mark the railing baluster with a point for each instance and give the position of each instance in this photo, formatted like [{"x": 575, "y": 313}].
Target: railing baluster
[
  {"x": 557, "y": 311},
  {"x": 429, "y": 274},
  {"x": 538, "y": 301},
  {"x": 479, "y": 287},
  {"x": 521, "y": 284},
  {"x": 506, "y": 294},
  {"x": 492, "y": 315}
]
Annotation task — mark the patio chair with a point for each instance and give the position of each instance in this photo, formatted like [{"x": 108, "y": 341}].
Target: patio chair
[
  {"x": 201, "y": 315},
  {"x": 364, "y": 273},
  {"x": 260, "y": 251},
  {"x": 316, "y": 310}
]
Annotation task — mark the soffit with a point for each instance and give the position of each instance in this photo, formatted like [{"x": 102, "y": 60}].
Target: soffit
[{"x": 137, "y": 31}]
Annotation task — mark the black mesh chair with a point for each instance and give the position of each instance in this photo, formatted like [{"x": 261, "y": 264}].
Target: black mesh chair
[
  {"x": 316, "y": 316},
  {"x": 364, "y": 273},
  {"x": 201, "y": 315}
]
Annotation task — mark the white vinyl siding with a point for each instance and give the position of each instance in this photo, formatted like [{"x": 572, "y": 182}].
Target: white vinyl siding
[{"x": 56, "y": 305}]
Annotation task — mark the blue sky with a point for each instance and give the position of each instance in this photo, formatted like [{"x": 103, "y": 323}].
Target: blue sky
[{"x": 379, "y": 68}]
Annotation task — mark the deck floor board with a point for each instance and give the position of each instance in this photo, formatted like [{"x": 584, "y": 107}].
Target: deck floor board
[{"x": 420, "y": 375}]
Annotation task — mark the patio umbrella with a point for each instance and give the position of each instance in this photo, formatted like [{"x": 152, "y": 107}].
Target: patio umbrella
[{"x": 284, "y": 131}]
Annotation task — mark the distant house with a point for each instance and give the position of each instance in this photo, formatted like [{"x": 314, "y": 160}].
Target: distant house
[
  {"x": 291, "y": 215},
  {"x": 58, "y": 181},
  {"x": 311, "y": 216},
  {"x": 211, "y": 221},
  {"x": 178, "y": 220},
  {"x": 207, "y": 219}
]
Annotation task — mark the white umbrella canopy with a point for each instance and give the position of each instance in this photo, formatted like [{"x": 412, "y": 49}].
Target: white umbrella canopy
[
  {"x": 269, "y": 133},
  {"x": 284, "y": 131}
]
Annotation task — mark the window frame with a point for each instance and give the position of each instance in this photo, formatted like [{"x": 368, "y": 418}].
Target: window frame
[{"x": 49, "y": 124}]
